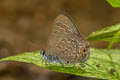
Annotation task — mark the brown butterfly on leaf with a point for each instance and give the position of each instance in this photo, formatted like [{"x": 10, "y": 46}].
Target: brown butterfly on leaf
[{"x": 66, "y": 44}]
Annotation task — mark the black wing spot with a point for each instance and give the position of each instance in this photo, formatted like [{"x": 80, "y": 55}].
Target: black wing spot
[{"x": 67, "y": 61}]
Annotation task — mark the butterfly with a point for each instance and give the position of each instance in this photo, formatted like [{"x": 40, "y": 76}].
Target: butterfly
[{"x": 66, "y": 44}]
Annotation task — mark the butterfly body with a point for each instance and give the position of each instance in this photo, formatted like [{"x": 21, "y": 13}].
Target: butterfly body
[{"x": 66, "y": 43}]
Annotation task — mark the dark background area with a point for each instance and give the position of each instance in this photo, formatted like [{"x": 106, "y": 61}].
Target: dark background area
[{"x": 25, "y": 26}]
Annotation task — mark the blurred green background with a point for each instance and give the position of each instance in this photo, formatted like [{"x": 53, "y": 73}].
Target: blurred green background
[{"x": 25, "y": 26}]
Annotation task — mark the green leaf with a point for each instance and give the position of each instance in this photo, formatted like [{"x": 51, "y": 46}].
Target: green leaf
[
  {"x": 106, "y": 34},
  {"x": 113, "y": 40},
  {"x": 114, "y": 3},
  {"x": 98, "y": 66}
]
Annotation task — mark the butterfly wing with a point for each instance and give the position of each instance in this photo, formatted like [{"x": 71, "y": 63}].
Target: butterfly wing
[{"x": 62, "y": 35}]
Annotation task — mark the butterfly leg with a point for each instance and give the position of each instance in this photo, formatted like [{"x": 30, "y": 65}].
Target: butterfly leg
[
  {"x": 82, "y": 65},
  {"x": 76, "y": 66},
  {"x": 59, "y": 61},
  {"x": 62, "y": 64},
  {"x": 44, "y": 58}
]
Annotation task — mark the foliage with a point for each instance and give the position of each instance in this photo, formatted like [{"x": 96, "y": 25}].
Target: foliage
[
  {"x": 98, "y": 66},
  {"x": 114, "y": 3},
  {"x": 106, "y": 34}
]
